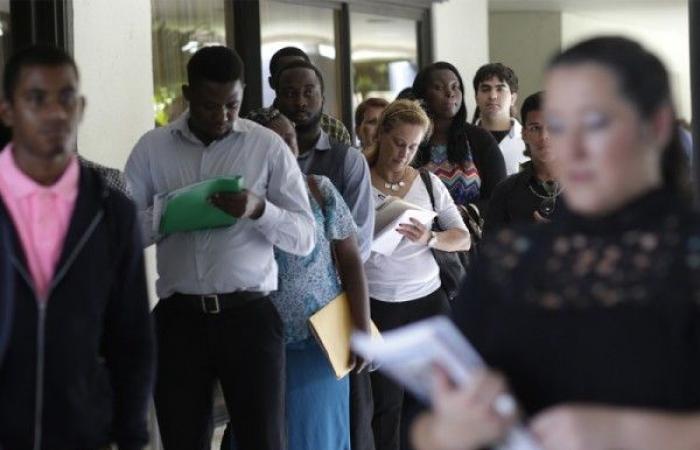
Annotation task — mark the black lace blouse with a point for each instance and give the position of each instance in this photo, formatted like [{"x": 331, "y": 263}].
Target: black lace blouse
[{"x": 598, "y": 311}]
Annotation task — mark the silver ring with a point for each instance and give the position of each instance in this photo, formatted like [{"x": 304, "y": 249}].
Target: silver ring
[{"x": 504, "y": 405}]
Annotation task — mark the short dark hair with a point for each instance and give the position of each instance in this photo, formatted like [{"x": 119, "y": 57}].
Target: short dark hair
[
  {"x": 214, "y": 63},
  {"x": 532, "y": 103},
  {"x": 406, "y": 94},
  {"x": 298, "y": 65},
  {"x": 498, "y": 70},
  {"x": 283, "y": 53},
  {"x": 372, "y": 102},
  {"x": 265, "y": 116},
  {"x": 35, "y": 55}
]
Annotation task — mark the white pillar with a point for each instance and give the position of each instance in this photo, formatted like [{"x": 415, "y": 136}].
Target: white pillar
[
  {"x": 461, "y": 37},
  {"x": 112, "y": 46}
]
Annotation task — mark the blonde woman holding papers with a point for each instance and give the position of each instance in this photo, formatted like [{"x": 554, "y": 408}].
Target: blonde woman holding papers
[{"x": 404, "y": 286}]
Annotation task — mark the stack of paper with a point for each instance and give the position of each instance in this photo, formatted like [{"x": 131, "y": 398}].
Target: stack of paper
[
  {"x": 332, "y": 325},
  {"x": 409, "y": 355},
  {"x": 388, "y": 216},
  {"x": 188, "y": 208}
]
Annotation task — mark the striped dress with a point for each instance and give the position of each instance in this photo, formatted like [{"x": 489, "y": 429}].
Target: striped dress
[{"x": 462, "y": 180}]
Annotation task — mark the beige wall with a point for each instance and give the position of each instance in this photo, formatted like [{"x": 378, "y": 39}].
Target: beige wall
[
  {"x": 460, "y": 36},
  {"x": 662, "y": 29},
  {"x": 525, "y": 41},
  {"x": 112, "y": 46}
]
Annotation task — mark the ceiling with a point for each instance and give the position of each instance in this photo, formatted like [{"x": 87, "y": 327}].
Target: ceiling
[{"x": 580, "y": 5}]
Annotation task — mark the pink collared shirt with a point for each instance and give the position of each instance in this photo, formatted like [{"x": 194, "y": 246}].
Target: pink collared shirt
[{"x": 41, "y": 215}]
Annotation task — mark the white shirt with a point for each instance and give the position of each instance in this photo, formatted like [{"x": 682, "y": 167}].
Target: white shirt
[
  {"x": 512, "y": 147},
  {"x": 237, "y": 258},
  {"x": 411, "y": 272}
]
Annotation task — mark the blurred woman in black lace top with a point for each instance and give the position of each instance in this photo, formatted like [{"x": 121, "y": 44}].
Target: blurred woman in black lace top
[{"x": 592, "y": 320}]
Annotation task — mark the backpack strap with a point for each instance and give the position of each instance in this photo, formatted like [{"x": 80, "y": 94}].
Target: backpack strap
[{"x": 428, "y": 182}]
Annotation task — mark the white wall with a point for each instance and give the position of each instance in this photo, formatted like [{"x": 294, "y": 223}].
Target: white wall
[
  {"x": 525, "y": 41},
  {"x": 662, "y": 29},
  {"x": 112, "y": 46},
  {"x": 460, "y": 37}
]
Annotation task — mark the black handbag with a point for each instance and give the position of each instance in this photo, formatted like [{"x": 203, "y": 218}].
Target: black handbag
[{"x": 452, "y": 264}]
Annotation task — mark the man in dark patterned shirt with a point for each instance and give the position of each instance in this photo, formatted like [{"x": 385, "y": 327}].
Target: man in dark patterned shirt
[
  {"x": 329, "y": 124},
  {"x": 113, "y": 177}
]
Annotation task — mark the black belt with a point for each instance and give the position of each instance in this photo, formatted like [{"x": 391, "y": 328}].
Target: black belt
[{"x": 213, "y": 303}]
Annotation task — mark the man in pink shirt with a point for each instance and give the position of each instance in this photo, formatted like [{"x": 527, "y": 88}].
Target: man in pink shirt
[{"x": 78, "y": 369}]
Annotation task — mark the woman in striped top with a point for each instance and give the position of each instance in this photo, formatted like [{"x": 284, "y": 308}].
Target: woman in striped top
[{"x": 465, "y": 157}]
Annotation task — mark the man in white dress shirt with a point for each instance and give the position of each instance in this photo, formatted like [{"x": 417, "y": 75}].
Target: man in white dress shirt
[
  {"x": 214, "y": 319},
  {"x": 496, "y": 91}
]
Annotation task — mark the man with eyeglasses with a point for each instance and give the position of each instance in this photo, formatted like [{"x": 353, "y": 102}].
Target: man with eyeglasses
[{"x": 531, "y": 195}]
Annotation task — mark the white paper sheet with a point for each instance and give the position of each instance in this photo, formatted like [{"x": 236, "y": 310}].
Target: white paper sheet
[
  {"x": 409, "y": 354},
  {"x": 386, "y": 241}
]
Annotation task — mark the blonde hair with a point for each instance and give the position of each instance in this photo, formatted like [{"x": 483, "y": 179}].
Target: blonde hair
[{"x": 398, "y": 112}]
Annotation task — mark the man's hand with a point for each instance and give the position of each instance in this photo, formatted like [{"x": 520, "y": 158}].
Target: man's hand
[
  {"x": 539, "y": 218},
  {"x": 241, "y": 205}
]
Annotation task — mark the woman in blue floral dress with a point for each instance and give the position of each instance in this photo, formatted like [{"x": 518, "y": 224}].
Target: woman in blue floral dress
[{"x": 317, "y": 403}]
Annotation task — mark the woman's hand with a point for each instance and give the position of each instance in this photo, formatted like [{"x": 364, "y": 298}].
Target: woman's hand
[
  {"x": 415, "y": 231},
  {"x": 590, "y": 427},
  {"x": 464, "y": 418},
  {"x": 573, "y": 427}
]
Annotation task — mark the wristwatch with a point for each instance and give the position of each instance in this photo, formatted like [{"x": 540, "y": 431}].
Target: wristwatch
[{"x": 432, "y": 242}]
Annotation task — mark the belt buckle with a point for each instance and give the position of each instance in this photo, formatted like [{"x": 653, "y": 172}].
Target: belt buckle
[{"x": 207, "y": 301}]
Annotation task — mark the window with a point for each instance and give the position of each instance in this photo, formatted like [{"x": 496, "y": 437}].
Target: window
[
  {"x": 180, "y": 28},
  {"x": 308, "y": 28},
  {"x": 5, "y": 33},
  {"x": 384, "y": 53}
]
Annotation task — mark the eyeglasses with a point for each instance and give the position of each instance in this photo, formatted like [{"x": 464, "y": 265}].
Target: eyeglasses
[{"x": 535, "y": 129}]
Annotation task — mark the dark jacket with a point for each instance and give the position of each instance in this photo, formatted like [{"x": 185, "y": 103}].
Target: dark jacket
[
  {"x": 512, "y": 201},
  {"x": 6, "y": 286},
  {"x": 515, "y": 200},
  {"x": 488, "y": 160},
  {"x": 82, "y": 362}
]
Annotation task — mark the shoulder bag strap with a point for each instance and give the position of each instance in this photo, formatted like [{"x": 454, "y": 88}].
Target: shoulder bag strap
[{"x": 425, "y": 176}]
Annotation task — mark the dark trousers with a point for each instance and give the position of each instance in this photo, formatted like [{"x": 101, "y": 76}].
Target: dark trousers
[
  {"x": 361, "y": 411},
  {"x": 243, "y": 348},
  {"x": 389, "y": 396}
]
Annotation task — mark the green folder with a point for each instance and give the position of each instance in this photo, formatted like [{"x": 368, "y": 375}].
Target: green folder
[{"x": 188, "y": 208}]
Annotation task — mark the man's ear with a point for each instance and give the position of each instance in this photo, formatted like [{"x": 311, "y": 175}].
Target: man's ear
[
  {"x": 269, "y": 81},
  {"x": 514, "y": 98},
  {"x": 186, "y": 92},
  {"x": 6, "y": 113}
]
